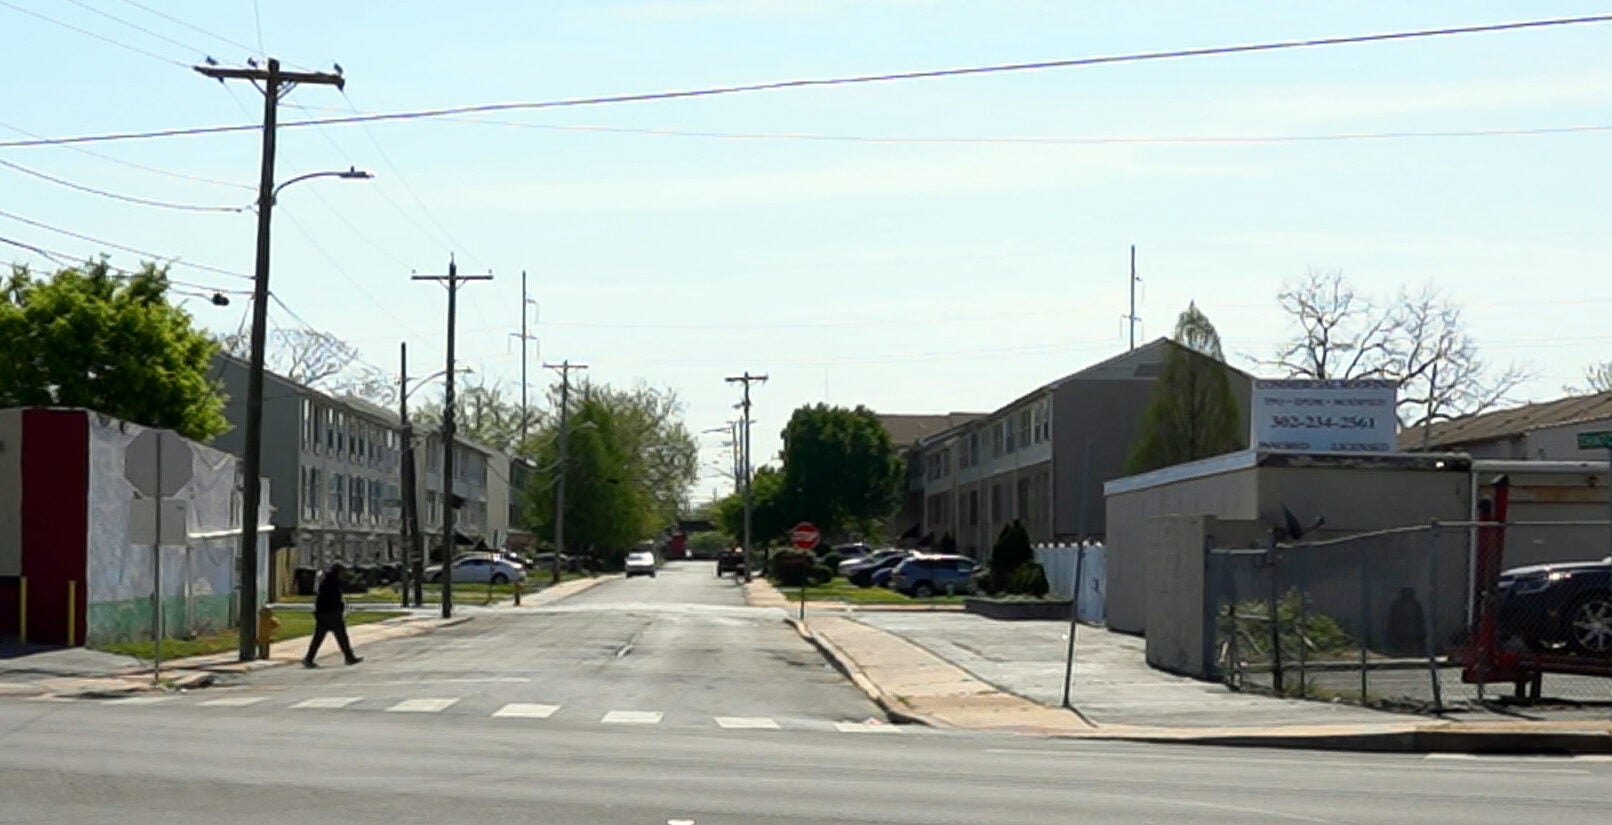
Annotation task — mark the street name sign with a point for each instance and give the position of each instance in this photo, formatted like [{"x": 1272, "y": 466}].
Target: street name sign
[{"x": 1595, "y": 441}]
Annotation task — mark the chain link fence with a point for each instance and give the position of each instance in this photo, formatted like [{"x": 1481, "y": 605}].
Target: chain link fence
[{"x": 1429, "y": 618}]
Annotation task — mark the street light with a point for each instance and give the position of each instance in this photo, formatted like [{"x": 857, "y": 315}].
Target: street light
[
  {"x": 421, "y": 382},
  {"x": 252, "y": 460}
]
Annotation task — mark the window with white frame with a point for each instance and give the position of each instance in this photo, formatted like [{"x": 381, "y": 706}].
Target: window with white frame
[
  {"x": 962, "y": 453},
  {"x": 355, "y": 496},
  {"x": 1025, "y": 427},
  {"x": 1009, "y": 442},
  {"x": 338, "y": 494},
  {"x": 974, "y": 448},
  {"x": 996, "y": 440}
]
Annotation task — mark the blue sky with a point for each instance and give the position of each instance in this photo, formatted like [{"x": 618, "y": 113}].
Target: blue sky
[{"x": 908, "y": 275}]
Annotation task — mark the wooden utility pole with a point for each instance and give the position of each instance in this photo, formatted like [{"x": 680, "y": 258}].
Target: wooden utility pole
[
  {"x": 452, "y": 279},
  {"x": 275, "y": 84},
  {"x": 564, "y": 368},
  {"x": 746, "y": 380}
]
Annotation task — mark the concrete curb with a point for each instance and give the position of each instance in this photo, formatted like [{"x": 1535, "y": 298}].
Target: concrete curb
[
  {"x": 871, "y": 689},
  {"x": 1562, "y": 743}
]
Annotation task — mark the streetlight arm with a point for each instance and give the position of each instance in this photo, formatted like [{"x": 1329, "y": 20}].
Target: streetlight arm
[{"x": 352, "y": 173}]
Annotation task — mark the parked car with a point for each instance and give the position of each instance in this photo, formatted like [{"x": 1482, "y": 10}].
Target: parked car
[
  {"x": 847, "y": 552},
  {"x": 1564, "y": 605},
  {"x": 482, "y": 568},
  {"x": 641, "y": 564},
  {"x": 850, "y": 563},
  {"x": 730, "y": 561},
  {"x": 927, "y": 575},
  {"x": 862, "y": 574},
  {"x": 881, "y": 578}
]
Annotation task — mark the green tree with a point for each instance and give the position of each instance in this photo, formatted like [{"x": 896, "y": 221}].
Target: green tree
[
  {"x": 89, "y": 337},
  {"x": 770, "y": 515},
  {"x": 840, "y": 470},
  {"x": 605, "y": 512},
  {"x": 1193, "y": 413}
]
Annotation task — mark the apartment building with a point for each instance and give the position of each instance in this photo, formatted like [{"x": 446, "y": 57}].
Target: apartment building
[
  {"x": 1043, "y": 458},
  {"x": 472, "y": 485}
]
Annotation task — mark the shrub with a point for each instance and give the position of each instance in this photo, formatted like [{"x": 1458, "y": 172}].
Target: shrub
[
  {"x": 983, "y": 582},
  {"x": 1030, "y": 580},
  {"x": 1011, "y": 551},
  {"x": 792, "y": 568},
  {"x": 832, "y": 560},
  {"x": 948, "y": 544},
  {"x": 821, "y": 574}
]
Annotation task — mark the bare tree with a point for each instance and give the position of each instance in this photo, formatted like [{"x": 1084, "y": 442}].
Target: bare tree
[
  {"x": 1597, "y": 379},
  {"x": 1418, "y": 340},
  {"x": 318, "y": 359},
  {"x": 484, "y": 414}
]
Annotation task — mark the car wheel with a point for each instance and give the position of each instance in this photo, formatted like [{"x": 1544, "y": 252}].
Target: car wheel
[
  {"x": 923, "y": 590},
  {"x": 500, "y": 578},
  {"x": 1589, "y": 625}
]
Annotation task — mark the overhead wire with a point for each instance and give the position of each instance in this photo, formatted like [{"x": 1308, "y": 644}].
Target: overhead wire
[
  {"x": 67, "y": 260},
  {"x": 170, "y": 18},
  {"x": 805, "y": 83},
  {"x": 187, "y": 207},
  {"x": 101, "y": 37},
  {"x": 132, "y": 165},
  {"x": 137, "y": 27},
  {"x": 169, "y": 259}
]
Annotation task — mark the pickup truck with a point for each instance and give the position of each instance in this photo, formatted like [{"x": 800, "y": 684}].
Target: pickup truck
[{"x": 730, "y": 561}]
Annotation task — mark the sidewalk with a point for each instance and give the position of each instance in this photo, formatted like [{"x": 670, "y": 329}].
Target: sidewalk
[
  {"x": 965, "y": 671},
  {"x": 65, "y": 672}
]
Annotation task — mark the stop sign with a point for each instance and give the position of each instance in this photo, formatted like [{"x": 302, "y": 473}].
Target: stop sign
[{"x": 804, "y": 535}]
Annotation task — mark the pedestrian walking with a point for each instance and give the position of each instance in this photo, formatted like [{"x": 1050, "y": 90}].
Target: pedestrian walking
[{"x": 329, "y": 616}]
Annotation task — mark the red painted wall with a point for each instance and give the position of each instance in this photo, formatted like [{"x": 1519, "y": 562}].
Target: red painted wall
[{"x": 55, "y": 520}]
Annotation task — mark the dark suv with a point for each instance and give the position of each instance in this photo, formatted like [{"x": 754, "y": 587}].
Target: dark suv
[
  {"x": 925, "y": 576},
  {"x": 1563, "y": 605}
]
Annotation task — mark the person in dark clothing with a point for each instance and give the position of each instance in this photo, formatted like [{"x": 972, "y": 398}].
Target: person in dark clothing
[{"x": 329, "y": 616}]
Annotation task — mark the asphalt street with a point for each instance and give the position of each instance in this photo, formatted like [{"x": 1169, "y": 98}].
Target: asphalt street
[{"x": 283, "y": 745}]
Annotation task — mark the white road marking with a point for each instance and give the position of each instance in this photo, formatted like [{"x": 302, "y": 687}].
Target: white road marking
[
  {"x": 1529, "y": 759},
  {"x": 632, "y": 717},
  {"x": 327, "y": 702},
  {"x": 141, "y": 700},
  {"x": 233, "y": 701},
  {"x": 865, "y": 727},
  {"x": 746, "y": 723},
  {"x": 422, "y": 705},
  {"x": 527, "y": 710}
]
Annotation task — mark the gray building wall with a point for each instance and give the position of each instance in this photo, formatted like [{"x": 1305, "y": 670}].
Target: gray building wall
[
  {"x": 1106, "y": 413},
  {"x": 282, "y": 427},
  {"x": 10, "y": 492}
]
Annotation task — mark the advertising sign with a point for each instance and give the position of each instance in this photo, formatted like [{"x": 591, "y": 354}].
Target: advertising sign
[{"x": 1302, "y": 415}]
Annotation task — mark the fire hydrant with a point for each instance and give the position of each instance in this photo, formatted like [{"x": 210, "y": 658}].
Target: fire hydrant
[{"x": 266, "y": 625}]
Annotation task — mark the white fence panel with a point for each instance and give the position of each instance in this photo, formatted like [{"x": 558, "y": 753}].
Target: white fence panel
[{"x": 1060, "y": 561}]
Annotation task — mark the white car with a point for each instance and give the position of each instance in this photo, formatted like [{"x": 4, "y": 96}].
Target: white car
[
  {"x": 641, "y": 564},
  {"x": 479, "y": 569}
]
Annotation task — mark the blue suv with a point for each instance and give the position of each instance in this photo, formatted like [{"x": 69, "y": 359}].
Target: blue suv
[{"x": 923, "y": 576}]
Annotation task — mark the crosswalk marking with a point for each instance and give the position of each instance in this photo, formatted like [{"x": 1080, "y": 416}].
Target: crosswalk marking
[
  {"x": 746, "y": 723},
  {"x": 632, "y": 717},
  {"x": 527, "y": 710},
  {"x": 233, "y": 701},
  {"x": 141, "y": 700},
  {"x": 865, "y": 727},
  {"x": 422, "y": 705},
  {"x": 327, "y": 702}
]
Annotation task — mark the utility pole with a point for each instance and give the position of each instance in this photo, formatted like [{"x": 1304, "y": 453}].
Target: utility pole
[
  {"x": 414, "y": 546},
  {"x": 275, "y": 84},
  {"x": 452, "y": 279},
  {"x": 1132, "y": 318},
  {"x": 564, "y": 368},
  {"x": 746, "y": 379},
  {"x": 526, "y": 301}
]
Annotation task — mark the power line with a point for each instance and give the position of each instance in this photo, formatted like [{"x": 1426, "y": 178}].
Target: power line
[
  {"x": 101, "y": 37},
  {"x": 1049, "y": 140},
  {"x": 189, "y": 207},
  {"x": 170, "y": 18},
  {"x": 341, "y": 270},
  {"x": 143, "y": 30},
  {"x": 65, "y": 259},
  {"x": 930, "y": 74},
  {"x": 131, "y": 164},
  {"x": 122, "y": 247}
]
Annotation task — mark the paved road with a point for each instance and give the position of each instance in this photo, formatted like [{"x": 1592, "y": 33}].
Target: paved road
[{"x": 680, "y": 645}]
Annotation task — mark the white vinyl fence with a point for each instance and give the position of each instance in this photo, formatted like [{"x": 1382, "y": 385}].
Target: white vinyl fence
[{"x": 1060, "y": 562}]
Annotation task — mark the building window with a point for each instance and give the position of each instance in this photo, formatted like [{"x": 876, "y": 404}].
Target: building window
[
  {"x": 974, "y": 448},
  {"x": 1024, "y": 428},
  {"x": 310, "y": 493},
  {"x": 973, "y": 508},
  {"x": 996, "y": 504},
  {"x": 1008, "y": 445},
  {"x": 1044, "y": 424},
  {"x": 1022, "y": 501},
  {"x": 338, "y": 494},
  {"x": 996, "y": 440},
  {"x": 355, "y": 494}
]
